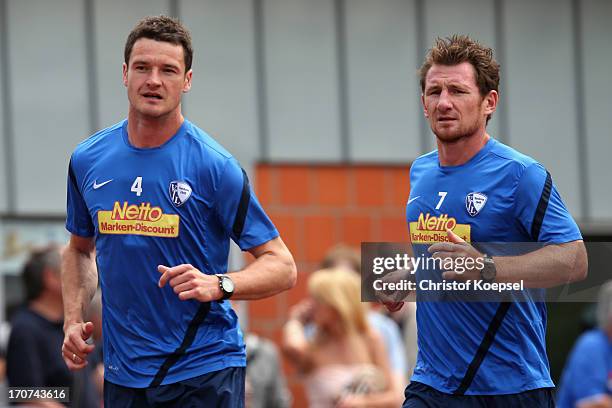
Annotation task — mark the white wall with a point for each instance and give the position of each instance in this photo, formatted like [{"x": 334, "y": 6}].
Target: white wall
[
  {"x": 301, "y": 79},
  {"x": 381, "y": 62},
  {"x": 49, "y": 97},
  {"x": 542, "y": 98},
  {"x": 3, "y": 175},
  {"x": 223, "y": 99},
  {"x": 597, "y": 40},
  {"x": 299, "y": 101}
]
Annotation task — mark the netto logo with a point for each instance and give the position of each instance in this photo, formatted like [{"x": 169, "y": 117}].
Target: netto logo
[
  {"x": 441, "y": 223},
  {"x": 142, "y": 212}
]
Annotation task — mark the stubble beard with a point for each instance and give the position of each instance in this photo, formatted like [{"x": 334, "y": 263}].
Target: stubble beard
[
  {"x": 464, "y": 132},
  {"x": 159, "y": 112}
]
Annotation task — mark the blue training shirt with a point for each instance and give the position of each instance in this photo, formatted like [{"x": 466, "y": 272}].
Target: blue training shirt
[
  {"x": 588, "y": 372},
  {"x": 499, "y": 195},
  {"x": 174, "y": 204}
]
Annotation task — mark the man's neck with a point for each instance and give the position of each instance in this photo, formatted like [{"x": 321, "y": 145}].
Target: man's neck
[
  {"x": 146, "y": 132},
  {"x": 461, "y": 151},
  {"x": 49, "y": 307}
]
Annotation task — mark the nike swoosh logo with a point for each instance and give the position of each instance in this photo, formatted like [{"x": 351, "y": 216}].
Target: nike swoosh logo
[
  {"x": 97, "y": 186},
  {"x": 412, "y": 199}
]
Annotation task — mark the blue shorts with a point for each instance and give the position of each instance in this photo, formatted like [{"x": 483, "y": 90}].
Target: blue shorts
[
  {"x": 224, "y": 388},
  {"x": 419, "y": 395}
]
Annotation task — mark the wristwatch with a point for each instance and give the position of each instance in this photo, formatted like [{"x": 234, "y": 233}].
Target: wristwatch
[
  {"x": 488, "y": 272},
  {"x": 226, "y": 284}
]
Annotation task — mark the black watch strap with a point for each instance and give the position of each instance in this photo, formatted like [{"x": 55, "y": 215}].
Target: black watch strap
[{"x": 226, "y": 294}]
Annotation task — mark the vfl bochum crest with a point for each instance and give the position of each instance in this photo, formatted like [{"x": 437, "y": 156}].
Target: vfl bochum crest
[
  {"x": 179, "y": 192},
  {"x": 474, "y": 203}
]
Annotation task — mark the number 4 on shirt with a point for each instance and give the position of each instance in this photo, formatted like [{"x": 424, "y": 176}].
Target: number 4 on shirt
[{"x": 137, "y": 186}]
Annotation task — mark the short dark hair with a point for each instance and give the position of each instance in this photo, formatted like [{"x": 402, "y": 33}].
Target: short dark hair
[
  {"x": 39, "y": 260},
  {"x": 457, "y": 49},
  {"x": 161, "y": 28}
]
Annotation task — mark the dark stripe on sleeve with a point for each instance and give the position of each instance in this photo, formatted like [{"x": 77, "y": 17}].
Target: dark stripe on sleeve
[
  {"x": 538, "y": 218},
  {"x": 483, "y": 348},
  {"x": 73, "y": 178},
  {"x": 187, "y": 341},
  {"x": 243, "y": 206}
]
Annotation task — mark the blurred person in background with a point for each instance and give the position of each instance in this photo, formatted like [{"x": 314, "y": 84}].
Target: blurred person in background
[
  {"x": 33, "y": 357},
  {"x": 401, "y": 353},
  {"x": 265, "y": 383},
  {"x": 406, "y": 318},
  {"x": 5, "y": 329},
  {"x": 345, "y": 364},
  {"x": 586, "y": 381}
]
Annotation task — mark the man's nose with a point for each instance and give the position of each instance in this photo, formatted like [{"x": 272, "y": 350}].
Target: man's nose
[
  {"x": 154, "y": 78},
  {"x": 444, "y": 102}
]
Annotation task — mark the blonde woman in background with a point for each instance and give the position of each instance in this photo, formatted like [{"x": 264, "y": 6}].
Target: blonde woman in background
[
  {"x": 345, "y": 363},
  {"x": 398, "y": 330}
]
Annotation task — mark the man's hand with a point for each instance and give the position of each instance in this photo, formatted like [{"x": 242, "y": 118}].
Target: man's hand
[
  {"x": 393, "y": 306},
  {"x": 457, "y": 248},
  {"x": 75, "y": 349},
  {"x": 190, "y": 283},
  {"x": 394, "y": 300}
]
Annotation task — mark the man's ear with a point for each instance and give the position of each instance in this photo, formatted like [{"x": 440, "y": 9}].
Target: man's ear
[
  {"x": 425, "y": 112},
  {"x": 125, "y": 68},
  {"x": 187, "y": 83},
  {"x": 51, "y": 277},
  {"x": 490, "y": 101}
]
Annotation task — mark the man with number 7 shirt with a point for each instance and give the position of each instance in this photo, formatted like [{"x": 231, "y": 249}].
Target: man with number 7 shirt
[{"x": 475, "y": 190}]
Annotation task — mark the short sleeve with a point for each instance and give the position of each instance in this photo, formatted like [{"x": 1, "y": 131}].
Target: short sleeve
[
  {"x": 585, "y": 375},
  {"x": 540, "y": 210},
  {"x": 78, "y": 219},
  {"x": 240, "y": 213}
]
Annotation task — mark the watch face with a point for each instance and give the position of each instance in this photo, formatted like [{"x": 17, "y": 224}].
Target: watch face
[
  {"x": 489, "y": 270},
  {"x": 228, "y": 285}
]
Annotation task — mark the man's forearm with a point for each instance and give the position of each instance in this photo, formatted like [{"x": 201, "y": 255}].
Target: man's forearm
[
  {"x": 269, "y": 274},
  {"x": 550, "y": 266},
  {"x": 79, "y": 283}
]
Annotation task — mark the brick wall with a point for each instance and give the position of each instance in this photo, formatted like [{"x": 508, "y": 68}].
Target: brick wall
[{"x": 315, "y": 207}]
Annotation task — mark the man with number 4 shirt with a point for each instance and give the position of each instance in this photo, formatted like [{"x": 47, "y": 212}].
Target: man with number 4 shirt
[{"x": 159, "y": 200}]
